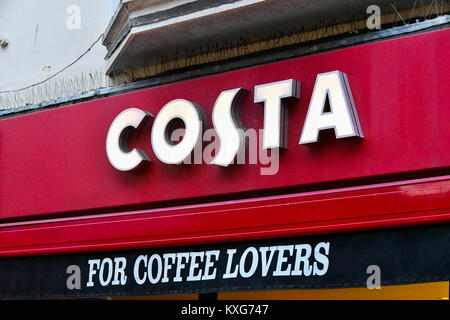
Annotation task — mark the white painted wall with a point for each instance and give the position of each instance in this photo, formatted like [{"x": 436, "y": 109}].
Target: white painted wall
[{"x": 40, "y": 43}]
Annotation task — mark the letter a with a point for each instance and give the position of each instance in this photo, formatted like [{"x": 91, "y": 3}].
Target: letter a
[
  {"x": 374, "y": 280},
  {"x": 74, "y": 280},
  {"x": 342, "y": 116}
]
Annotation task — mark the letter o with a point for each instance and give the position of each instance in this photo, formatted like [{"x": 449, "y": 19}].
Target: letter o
[
  {"x": 193, "y": 118},
  {"x": 150, "y": 268},
  {"x": 255, "y": 258},
  {"x": 104, "y": 282}
]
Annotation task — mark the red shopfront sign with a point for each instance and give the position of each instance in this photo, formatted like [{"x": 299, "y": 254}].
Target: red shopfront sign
[{"x": 54, "y": 162}]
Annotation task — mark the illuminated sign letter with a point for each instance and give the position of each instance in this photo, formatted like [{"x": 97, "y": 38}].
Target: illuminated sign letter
[
  {"x": 193, "y": 118},
  {"x": 116, "y": 141},
  {"x": 342, "y": 115},
  {"x": 275, "y": 114},
  {"x": 228, "y": 125}
]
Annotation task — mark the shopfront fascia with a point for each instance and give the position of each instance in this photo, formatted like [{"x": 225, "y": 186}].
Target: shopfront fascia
[{"x": 371, "y": 187}]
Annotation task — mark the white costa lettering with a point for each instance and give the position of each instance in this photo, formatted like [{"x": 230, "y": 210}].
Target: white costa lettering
[{"x": 332, "y": 87}]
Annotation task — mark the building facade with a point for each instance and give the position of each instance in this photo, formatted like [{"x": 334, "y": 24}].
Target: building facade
[{"x": 229, "y": 149}]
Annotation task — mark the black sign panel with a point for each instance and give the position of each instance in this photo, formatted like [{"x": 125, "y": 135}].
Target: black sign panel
[{"x": 356, "y": 259}]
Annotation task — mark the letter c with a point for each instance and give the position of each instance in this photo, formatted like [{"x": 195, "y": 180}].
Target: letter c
[{"x": 117, "y": 150}]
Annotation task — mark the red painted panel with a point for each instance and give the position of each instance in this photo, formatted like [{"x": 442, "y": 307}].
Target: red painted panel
[
  {"x": 386, "y": 205},
  {"x": 55, "y": 161}
]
